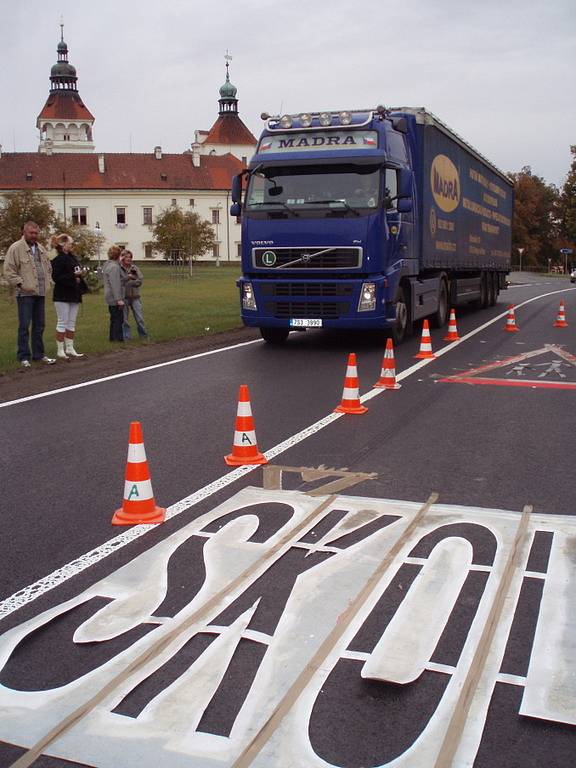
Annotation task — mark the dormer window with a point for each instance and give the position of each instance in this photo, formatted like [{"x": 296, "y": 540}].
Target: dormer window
[
  {"x": 28, "y": 176},
  {"x": 164, "y": 177}
]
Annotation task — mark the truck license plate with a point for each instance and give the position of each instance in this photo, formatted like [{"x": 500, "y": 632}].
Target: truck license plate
[{"x": 300, "y": 322}]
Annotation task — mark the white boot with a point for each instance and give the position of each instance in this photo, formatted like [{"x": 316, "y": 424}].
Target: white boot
[
  {"x": 61, "y": 353},
  {"x": 70, "y": 348}
]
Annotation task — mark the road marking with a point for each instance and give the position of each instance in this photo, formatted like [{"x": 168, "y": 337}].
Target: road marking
[
  {"x": 29, "y": 593},
  {"x": 126, "y": 373}
]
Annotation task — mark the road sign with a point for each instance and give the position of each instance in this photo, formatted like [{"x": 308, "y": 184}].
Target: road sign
[{"x": 567, "y": 251}]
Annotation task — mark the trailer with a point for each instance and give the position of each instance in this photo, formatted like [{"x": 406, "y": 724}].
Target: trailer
[{"x": 368, "y": 219}]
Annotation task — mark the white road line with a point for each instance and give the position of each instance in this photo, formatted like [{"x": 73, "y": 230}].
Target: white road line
[
  {"x": 127, "y": 373},
  {"x": 61, "y": 575}
]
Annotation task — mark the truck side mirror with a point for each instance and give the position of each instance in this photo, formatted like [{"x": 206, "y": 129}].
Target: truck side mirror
[
  {"x": 237, "y": 189},
  {"x": 404, "y": 205},
  {"x": 404, "y": 184},
  {"x": 236, "y": 210}
]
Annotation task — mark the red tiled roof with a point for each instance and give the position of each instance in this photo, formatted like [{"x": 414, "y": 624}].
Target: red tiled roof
[
  {"x": 123, "y": 171},
  {"x": 66, "y": 106},
  {"x": 229, "y": 129}
]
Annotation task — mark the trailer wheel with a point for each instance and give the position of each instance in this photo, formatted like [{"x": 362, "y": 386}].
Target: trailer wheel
[
  {"x": 274, "y": 335},
  {"x": 492, "y": 289},
  {"x": 482, "y": 301},
  {"x": 440, "y": 317},
  {"x": 403, "y": 325}
]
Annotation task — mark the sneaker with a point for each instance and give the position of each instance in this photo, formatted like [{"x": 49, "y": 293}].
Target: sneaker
[
  {"x": 25, "y": 364},
  {"x": 48, "y": 360}
]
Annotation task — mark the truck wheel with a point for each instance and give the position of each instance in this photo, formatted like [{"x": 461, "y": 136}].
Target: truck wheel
[
  {"x": 274, "y": 335},
  {"x": 482, "y": 301},
  {"x": 403, "y": 325},
  {"x": 492, "y": 289},
  {"x": 440, "y": 317}
]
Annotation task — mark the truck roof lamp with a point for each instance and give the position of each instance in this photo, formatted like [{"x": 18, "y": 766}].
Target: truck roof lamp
[
  {"x": 345, "y": 118},
  {"x": 305, "y": 120},
  {"x": 265, "y": 116},
  {"x": 286, "y": 121},
  {"x": 325, "y": 119}
]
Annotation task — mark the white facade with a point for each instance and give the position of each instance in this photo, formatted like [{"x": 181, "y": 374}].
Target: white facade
[{"x": 107, "y": 208}]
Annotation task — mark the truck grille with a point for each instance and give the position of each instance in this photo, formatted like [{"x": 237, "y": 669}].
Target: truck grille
[
  {"x": 314, "y": 309},
  {"x": 327, "y": 258},
  {"x": 320, "y": 290}
]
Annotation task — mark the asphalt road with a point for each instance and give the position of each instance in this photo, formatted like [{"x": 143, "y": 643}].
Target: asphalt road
[{"x": 478, "y": 445}]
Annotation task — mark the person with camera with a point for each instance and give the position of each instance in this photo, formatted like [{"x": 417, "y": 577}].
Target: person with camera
[
  {"x": 132, "y": 301},
  {"x": 69, "y": 286}
]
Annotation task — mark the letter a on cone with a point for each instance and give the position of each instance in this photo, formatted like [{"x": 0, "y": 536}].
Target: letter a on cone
[
  {"x": 350, "y": 395},
  {"x": 425, "y": 343},
  {"x": 245, "y": 448},
  {"x": 139, "y": 507}
]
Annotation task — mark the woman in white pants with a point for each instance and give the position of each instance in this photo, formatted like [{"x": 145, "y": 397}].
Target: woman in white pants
[{"x": 69, "y": 286}]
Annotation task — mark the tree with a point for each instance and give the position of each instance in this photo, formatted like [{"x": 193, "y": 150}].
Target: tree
[
  {"x": 186, "y": 233},
  {"x": 535, "y": 225},
  {"x": 567, "y": 205},
  {"x": 87, "y": 244},
  {"x": 20, "y": 207}
]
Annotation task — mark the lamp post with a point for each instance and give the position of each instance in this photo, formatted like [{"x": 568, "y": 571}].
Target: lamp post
[
  {"x": 521, "y": 251},
  {"x": 217, "y": 222},
  {"x": 98, "y": 232}
]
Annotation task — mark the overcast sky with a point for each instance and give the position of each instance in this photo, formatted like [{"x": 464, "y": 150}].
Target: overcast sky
[{"x": 501, "y": 73}]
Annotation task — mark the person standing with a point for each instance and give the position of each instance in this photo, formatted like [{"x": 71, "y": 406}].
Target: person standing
[
  {"x": 114, "y": 292},
  {"x": 27, "y": 269},
  {"x": 132, "y": 301},
  {"x": 69, "y": 286}
]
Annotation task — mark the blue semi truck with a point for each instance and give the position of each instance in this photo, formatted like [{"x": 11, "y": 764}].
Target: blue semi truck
[{"x": 368, "y": 219}]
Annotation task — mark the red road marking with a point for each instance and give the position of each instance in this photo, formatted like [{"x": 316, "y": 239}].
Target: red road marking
[{"x": 511, "y": 382}]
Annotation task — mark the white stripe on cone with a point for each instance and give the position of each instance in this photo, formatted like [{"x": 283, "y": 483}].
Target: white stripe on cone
[
  {"x": 244, "y": 409},
  {"x": 350, "y": 394},
  {"x": 137, "y": 490},
  {"x": 136, "y": 453}
]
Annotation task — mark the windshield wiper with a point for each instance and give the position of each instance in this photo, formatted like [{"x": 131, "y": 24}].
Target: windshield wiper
[
  {"x": 342, "y": 202},
  {"x": 277, "y": 202}
]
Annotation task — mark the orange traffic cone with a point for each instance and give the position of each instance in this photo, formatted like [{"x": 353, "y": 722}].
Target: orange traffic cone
[
  {"x": 561, "y": 319},
  {"x": 245, "y": 448},
  {"x": 452, "y": 334},
  {"x": 139, "y": 507},
  {"x": 511, "y": 326},
  {"x": 425, "y": 343},
  {"x": 350, "y": 395},
  {"x": 387, "y": 378}
]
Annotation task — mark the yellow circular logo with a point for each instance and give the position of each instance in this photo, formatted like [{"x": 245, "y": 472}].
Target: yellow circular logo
[{"x": 445, "y": 183}]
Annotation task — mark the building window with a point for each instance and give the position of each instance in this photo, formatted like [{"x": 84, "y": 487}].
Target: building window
[
  {"x": 147, "y": 216},
  {"x": 120, "y": 217},
  {"x": 79, "y": 216},
  {"x": 239, "y": 254},
  {"x": 173, "y": 201},
  {"x": 147, "y": 250},
  {"x": 216, "y": 250},
  {"x": 215, "y": 216},
  {"x": 191, "y": 202}
]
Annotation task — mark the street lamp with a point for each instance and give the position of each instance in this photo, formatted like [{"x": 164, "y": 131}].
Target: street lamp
[
  {"x": 217, "y": 222},
  {"x": 521, "y": 251},
  {"x": 98, "y": 232}
]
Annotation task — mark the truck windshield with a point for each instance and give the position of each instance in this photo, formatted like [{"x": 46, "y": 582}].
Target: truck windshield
[{"x": 344, "y": 188}]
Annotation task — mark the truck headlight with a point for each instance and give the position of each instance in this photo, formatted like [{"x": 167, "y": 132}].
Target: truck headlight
[
  {"x": 325, "y": 118},
  {"x": 248, "y": 300},
  {"x": 285, "y": 121},
  {"x": 305, "y": 120},
  {"x": 367, "y": 297},
  {"x": 345, "y": 118}
]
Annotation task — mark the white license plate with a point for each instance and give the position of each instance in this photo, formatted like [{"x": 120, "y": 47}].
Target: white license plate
[{"x": 301, "y": 322}]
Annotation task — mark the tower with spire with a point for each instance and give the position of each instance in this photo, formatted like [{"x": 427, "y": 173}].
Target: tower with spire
[
  {"x": 65, "y": 124},
  {"x": 228, "y": 134}
]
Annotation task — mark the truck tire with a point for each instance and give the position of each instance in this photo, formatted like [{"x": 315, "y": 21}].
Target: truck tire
[
  {"x": 492, "y": 289},
  {"x": 440, "y": 317},
  {"x": 274, "y": 335},
  {"x": 403, "y": 324},
  {"x": 482, "y": 301}
]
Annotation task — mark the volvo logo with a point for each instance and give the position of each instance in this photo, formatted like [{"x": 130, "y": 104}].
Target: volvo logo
[
  {"x": 268, "y": 258},
  {"x": 306, "y": 257}
]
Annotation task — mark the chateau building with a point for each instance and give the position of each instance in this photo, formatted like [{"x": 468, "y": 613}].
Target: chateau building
[{"x": 120, "y": 194}]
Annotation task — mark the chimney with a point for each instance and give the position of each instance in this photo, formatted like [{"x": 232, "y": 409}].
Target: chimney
[
  {"x": 158, "y": 153},
  {"x": 196, "y": 154},
  {"x": 101, "y": 164}
]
